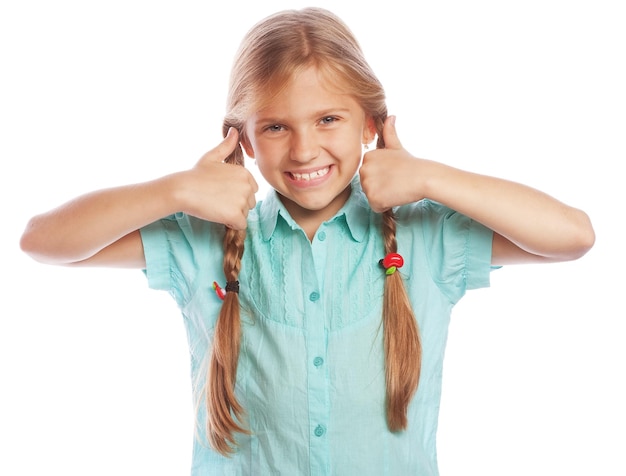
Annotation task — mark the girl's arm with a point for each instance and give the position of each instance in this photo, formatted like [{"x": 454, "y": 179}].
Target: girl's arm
[
  {"x": 528, "y": 225},
  {"x": 101, "y": 228}
]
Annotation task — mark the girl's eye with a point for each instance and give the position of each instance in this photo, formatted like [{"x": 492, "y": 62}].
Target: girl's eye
[
  {"x": 328, "y": 120},
  {"x": 274, "y": 128}
]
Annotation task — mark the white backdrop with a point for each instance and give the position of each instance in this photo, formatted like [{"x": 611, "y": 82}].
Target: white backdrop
[{"x": 93, "y": 365}]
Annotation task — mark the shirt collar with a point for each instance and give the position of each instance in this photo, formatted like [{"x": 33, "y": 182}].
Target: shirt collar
[{"x": 356, "y": 213}]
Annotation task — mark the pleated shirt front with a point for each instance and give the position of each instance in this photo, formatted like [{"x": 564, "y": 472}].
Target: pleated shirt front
[{"x": 311, "y": 368}]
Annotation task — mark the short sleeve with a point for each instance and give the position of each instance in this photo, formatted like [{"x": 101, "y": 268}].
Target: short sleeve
[
  {"x": 456, "y": 249},
  {"x": 478, "y": 248},
  {"x": 175, "y": 248}
]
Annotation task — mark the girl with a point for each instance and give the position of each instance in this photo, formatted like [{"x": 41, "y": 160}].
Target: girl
[{"x": 316, "y": 319}]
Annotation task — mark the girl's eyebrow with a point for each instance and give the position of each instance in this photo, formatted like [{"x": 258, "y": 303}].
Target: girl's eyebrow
[
  {"x": 320, "y": 113},
  {"x": 331, "y": 111}
]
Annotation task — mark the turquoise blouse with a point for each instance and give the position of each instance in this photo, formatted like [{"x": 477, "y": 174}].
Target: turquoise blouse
[{"x": 310, "y": 372}]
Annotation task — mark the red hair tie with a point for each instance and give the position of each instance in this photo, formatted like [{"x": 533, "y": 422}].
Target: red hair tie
[
  {"x": 391, "y": 262},
  {"x": 231, "y": 287}
]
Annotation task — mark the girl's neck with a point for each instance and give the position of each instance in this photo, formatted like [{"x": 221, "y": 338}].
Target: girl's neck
[{"x": 310, "y": 220}]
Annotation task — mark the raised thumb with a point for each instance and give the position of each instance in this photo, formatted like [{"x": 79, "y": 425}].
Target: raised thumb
[
  {"x": 224, "y": 148},
  {"x": 390, "y": 135}
]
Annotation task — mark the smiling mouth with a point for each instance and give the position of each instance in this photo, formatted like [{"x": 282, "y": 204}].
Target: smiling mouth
[{"x": 309, "y": 176}]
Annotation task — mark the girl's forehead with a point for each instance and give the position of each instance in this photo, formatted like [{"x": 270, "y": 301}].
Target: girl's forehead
[{"x": 311, "y": 77}]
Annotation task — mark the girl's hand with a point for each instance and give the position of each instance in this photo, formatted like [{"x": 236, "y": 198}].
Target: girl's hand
[
  {"x": 101, "y": 228},
  {"x": 391, "y": 176},
  {"x": 529, "y": 225},
  {"x": 218, "y": 192}
]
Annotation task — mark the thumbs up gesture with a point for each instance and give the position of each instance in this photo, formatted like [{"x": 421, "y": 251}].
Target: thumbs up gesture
[
  {"x": 390, "y": 176},
  {"x": 218, "y": 192}
]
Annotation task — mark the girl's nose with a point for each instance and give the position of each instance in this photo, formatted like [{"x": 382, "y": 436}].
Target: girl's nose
[{"x": 304, "y": 147}]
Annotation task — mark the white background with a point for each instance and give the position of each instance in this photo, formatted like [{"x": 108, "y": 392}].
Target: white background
[{"x": 94, "y": 367}]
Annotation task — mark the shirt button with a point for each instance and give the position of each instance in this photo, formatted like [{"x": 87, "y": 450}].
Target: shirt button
[
  {"x": 321, "y": 236},
  {"x": 314, "y": 296},
  {"x": 319, "y": 430},
  {"x": 318, "y": 361}
]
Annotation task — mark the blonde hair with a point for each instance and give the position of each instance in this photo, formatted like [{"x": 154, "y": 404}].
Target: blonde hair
[{"x": 270, "y": 54}]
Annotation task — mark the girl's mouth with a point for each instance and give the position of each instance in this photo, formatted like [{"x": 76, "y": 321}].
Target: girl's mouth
[{"x": 307, "y": 177}]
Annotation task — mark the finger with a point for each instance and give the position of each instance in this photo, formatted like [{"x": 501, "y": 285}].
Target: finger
[
  {"x": 251, "y": 201},
  {"x": 255, "y": 186},
  {"x": 241, "y": 223},
  {"x": 390, "y": 135},
  {"x": 224, "y": 148}
]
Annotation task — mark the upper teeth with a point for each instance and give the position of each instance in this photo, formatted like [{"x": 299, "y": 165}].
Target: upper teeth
[{"x": 310, "y": 176}]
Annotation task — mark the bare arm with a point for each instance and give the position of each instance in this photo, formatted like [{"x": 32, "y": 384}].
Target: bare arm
[
  {"x": 529, "y": 225},
  {"x": 103, "y": 223},
  {"x": 101, "y": 228}
]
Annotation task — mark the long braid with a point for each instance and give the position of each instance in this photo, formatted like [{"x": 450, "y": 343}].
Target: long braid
[
  {"x": 402, "y": 345},
  {"x": 224, "y": 411}
]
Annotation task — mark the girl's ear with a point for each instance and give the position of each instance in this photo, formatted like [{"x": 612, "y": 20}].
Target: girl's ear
[
  {"x": 245, "y": 143},
  {"x": 369, "y": 131}
]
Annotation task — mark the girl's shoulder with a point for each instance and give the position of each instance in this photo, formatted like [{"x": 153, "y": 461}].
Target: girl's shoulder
[
  {"x": 423, "y": 210},
  {"x": 432, "y": 223}
]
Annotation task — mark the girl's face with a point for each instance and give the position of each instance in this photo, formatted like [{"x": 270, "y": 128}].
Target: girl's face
[{"x": 308, "y": 144}]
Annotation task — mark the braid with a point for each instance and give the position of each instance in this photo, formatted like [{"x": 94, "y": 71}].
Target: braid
[
  {"x": 224, "y": 411},
  {"x": 403, "y": 352},
  {"x": 403, "y": 349}
]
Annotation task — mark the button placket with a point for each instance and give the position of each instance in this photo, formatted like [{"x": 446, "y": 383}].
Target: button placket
[{"x": 315, "y": 319}]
